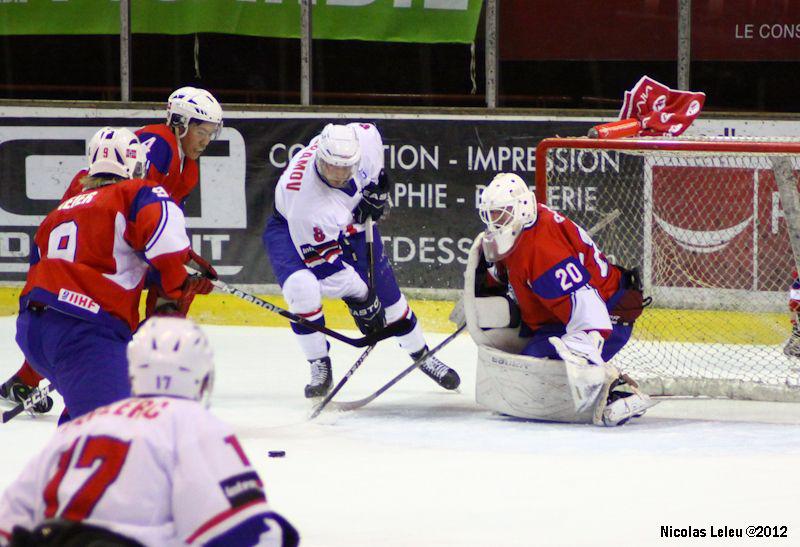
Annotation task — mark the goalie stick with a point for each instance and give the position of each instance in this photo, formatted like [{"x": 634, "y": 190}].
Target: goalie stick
[
  {"x": 790, "y": 202},
  {"x": 352, "y": 405},
  {"x": 368, "y": 340},
  {"x": 37, "y": 395}
]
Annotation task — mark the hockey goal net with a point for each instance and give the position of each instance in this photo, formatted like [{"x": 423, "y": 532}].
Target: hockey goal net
[{"x": 702, "y": 220}]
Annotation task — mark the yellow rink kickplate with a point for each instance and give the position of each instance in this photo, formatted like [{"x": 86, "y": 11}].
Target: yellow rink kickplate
[{"x": 728, "y": 327}]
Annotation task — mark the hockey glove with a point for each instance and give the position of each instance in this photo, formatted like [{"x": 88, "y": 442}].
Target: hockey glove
[
  {"x": 201, "y": 265},
  {"x": 368, "y": 314},
  {"x": 158, "y": 304},
  {"x": 373, "y": 200},
  {"x": 195, "y": 284}
]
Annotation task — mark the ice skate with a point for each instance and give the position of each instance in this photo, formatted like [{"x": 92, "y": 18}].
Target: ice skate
[
  {"x": 438, "y": 371},
  {"x": 622, "y": 406},
  {"x": 16, "y": 391},
  {"x": 321, "y": 378}
]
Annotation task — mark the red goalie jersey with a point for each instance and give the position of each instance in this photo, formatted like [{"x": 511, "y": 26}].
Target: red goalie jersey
[
  {"x": 557, "y": 274},
  {"x": 92, "y": 252}
]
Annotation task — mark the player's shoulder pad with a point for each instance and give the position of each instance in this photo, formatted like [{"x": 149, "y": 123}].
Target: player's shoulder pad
[
  {"x": 368, "y": 134},
  {"x": 563, "y": 278},
  {"x": 147, "y": 192},
  {"x": 158, "y": 149}
]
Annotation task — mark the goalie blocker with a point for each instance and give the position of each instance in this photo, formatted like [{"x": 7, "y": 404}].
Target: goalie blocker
[{"x": 568, "y": 390}]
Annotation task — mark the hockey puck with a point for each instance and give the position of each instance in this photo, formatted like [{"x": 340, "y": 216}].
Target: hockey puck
[{"x": 277, "y": 453}]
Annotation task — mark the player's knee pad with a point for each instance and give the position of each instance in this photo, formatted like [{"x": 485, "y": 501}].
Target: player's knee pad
[
  {"x": 302, "y": 293},
  {"x": 344, "y": 283},
  {"x": 397, "y": 310}
]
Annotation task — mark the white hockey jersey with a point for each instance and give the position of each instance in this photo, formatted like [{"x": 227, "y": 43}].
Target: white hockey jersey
[
  {"x": 160, "y": 470},
  {"x": 316, "y": 213}
]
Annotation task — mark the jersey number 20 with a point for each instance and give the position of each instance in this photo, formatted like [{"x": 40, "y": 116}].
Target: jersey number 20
[{"x": 568, "y": 276}]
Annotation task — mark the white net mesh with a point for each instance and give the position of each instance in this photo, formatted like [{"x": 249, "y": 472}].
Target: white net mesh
[{"x": 707, "y": 231}]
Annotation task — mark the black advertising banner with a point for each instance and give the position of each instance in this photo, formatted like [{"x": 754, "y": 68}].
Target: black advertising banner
[{"x": 438, "y": 166}]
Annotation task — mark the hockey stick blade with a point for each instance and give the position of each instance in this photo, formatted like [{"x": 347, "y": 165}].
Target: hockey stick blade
[
  {"x": 352, "y": 405},
  {"x": 37, "y": 395},
  {"x": 321, "y": 406},
  {"x": 398, "y": 327}
]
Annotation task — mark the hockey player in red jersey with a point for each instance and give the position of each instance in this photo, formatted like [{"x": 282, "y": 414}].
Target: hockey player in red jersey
[
  {"x": 173, "y": 149},
  {"x": 574, "y": 305},
  {"x": 792, "y": 347},
  {"x": 22, "y": 383},
  {"x": 154, "y": 469},
  {"x": 194, "y": 119},
  {"x": 80, "y": 302}
]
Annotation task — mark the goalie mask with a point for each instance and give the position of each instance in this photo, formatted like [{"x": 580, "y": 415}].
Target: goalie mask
[
  {"x": 171, "y": 356},
  {"x": 115, "y": 152},
  {"x": 193, "y": 105},
  {"x": 507, "y": 207},
  {"x": 338, "y": 154}
]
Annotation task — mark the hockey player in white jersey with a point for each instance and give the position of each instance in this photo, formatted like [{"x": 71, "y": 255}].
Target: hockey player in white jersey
[
  {"x": 317, "y": 246},
  {"x": 157, "y": 468}
]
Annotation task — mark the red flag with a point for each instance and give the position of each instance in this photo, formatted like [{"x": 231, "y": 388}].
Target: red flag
[{"x": 659, "y": 109}]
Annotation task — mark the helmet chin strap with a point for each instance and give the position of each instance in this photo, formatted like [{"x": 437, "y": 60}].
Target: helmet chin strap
[{"x": 178, "y": 136}]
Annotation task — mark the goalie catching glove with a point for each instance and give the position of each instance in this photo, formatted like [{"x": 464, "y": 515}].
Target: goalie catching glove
[
  {"x": 373, "y": 200},
  {"x": 368, "y": 314}
]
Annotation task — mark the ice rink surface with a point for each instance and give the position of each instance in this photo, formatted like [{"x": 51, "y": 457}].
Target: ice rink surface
[{"x": 423, "y": 467}]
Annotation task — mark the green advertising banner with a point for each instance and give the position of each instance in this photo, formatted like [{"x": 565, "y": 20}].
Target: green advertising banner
[{"x": 427, "y": 21}]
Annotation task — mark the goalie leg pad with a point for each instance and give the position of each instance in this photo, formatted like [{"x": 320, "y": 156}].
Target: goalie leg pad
[{"x": 543, "y": 389}]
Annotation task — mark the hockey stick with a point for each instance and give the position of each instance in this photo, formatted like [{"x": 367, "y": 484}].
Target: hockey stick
[
  {"x": 364, "y": 341},
  {"x": 352, "y": 405},
  {"x": 370, "y": 283},
  {"x": 320, "y": 407},
  {"x": 37, "y": 396}
]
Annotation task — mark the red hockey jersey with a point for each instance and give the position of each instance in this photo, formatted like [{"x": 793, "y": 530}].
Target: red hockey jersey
[
  {"x": 91, "y": 253},
  {"x": 165, "y": 165},
  {"x": 75, "y": 187},
  {"x": 559, "y": 276}
]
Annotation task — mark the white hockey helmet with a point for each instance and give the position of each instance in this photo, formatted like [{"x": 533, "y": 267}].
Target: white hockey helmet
[
  {"x": 171, "y": 356},
  {"x": 115, "y": 151},
  {"x": 191, "y": 104},
  {"x": 507, "y": 206},
  {"x": 338, "y": 154}
]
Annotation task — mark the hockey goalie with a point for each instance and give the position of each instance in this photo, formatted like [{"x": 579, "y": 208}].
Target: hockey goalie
[{"x": 547, "y": 312}]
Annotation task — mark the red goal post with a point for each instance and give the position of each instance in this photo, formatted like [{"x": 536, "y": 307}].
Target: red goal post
[{"x": 702, "y": 219}]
